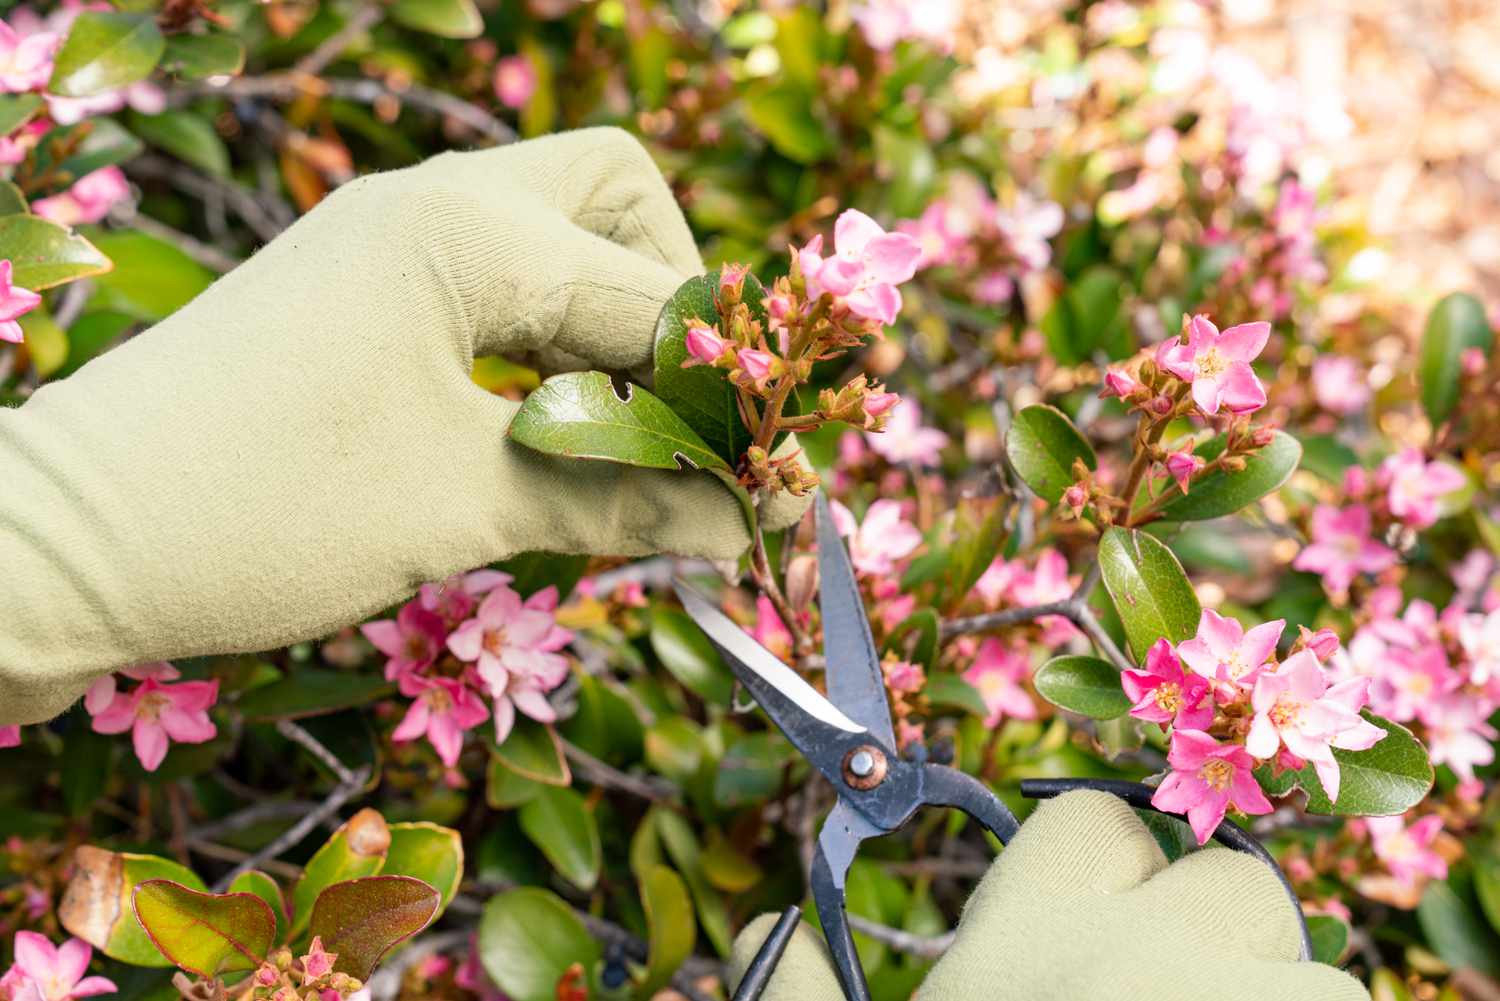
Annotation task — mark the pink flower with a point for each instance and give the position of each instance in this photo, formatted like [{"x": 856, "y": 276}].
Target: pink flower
[
  {"x": 704, "y": 345},
  {"x": 886, "y": 22},
  {"x": 940, "y": 233},
  {"x": 1415, "y": 485},
  {"x": 45, "y": 972},
  {"x": 758, "y": 365},
  {"x": 1218, "y": 365},
  {"x": 318, "y": 963},
  {"x": 454, "y": 599},
  {"x": 997, "y": 580},
  {"x": 998, "y": 672},
  {"x": 1479, "y": 635},
  {"x": 1046, "y": 582},
  {"x": 769, "y": 631},
  {"x": 10, "y": 736},
  {"x": 88, "y": 200},
  {"x": 1324, "y": 643},
  {"x": 868, "y": 265},
  {"x": 1341, "y": 547},
  {"x": 1407, "y": 851},
  {"x": 14, "y": 302},
  {"x": 1295, "y": 707},
  {"x": 1339, "y": 384},
  {"x": 1223, "y": 652},
  {"x": 25, "y": 60},
  {"x": 905, "y": 440},
  {"x": 904, "y": 677},
  {"x": 1167, "y": 693},
  {"x": 515, "y": 81},
  {"x": 514, "y": 647},
  {"x": 158, "y": 713},
  {"x": 444, "y": 709},
  {"x": 879, "y": 542},
  {"x": 1027, "y": 225},
  {"x": 1459, "y": 735},
  {"x": 1118, "y": 382},
  {"x": 1183, "y": 466},
  {"x": 1206, "y": 779},
  {"x": 411, "y": 641}
]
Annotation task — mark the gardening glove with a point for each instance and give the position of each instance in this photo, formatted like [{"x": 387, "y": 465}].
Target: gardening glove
[
  {"x": 302, "y": 446},
  {"x": 1082, "y": 906}
]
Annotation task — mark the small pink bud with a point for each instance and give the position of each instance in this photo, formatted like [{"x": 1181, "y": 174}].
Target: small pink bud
[
  {"x": 1118, "y": 382},
  {"x": 1183, "y": 466},
  {"x": 704, "y": 345},
  {"x": 1161, "y": 405},
  {"x": 515, "y": 81},
  {"x": 1075, "y": 497},
  {"x": 732, "y": 283},
  {"x": 1324, "y": 643},
  {"x": 1262, "y": 436},
  {"x": 757, "y": 364},
  {"x": 877, "y": 404},
  {"x": 1472, "y": 361}
]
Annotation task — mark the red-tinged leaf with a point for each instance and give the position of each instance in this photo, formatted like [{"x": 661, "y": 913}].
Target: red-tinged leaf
[
  {"x": 205, "y": 933},
  {"x": 361, "y": 919},
  {"x": 96, "y": 906}
]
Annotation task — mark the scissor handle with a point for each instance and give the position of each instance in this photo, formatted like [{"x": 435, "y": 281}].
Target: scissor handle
[{"x": 1138, "y": 795}]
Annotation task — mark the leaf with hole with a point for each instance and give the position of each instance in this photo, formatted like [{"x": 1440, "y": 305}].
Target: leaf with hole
[
  {"x": 106, "y": 50},
  {"x": 360, "y": 920},
  {"x": 205, "y": 933},
  {"x": 1149, "y": 589},
  {"x": 1042, "y": 445},
  {"x": 1084, "y": 685}
]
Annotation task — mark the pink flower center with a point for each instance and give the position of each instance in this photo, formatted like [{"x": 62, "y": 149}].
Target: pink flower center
[
  {"x": 1285, "y": 713},
  {"x": 151, "y": 705},
  {"x": 494, "y": 641},
  {"x": 418, "y": 646},
  {"x": 1211, "y": 364},
  {"x": 1168, "y": 696},
  {"x": 1217, "y": 773},
  {"x": 439, "y": 701}
]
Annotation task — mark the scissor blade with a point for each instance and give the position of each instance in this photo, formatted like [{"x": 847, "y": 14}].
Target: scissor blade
[
  {"x": 855, "y": 683},
  {"x": 803, "y": 714}
]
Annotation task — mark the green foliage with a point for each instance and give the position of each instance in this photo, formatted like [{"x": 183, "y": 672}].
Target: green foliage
[
  {"x": 45, "y": 254},
  {"x": 1148, "y": 588},
  {"x": 445, "y": 18},
  {"x": 687, "y": 653},
  {"x": 1084, "y": 685},
  {"x": 1384, "y": 780},
  {"x": 565, "y": 830},
  {"x": 205, "y": 933},
  {"x": 528, "y": 938},
  {"x": 313, "y": 692},
  {"x": 669, "y": 917},
  {"x": 1222, "y": 492},
  {"x": 105, "y": 51},
  {"x": 362, "y": 919},
  {"x": 1456, "y": 324},
  {"x": 1042, "y": 445}
]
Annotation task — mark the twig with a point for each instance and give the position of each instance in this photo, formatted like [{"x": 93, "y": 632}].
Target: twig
[
  {"x": 340, "y": 795},
  {"x": 273, "y": 809},
  {"x": 362, "y": 20},
  {"x": 224, "y": 853},
  {"x": 267, "y": 215},
  {"x": 291, "y": 731},
  {"x": 71, "y": 302},
  {"x": 591, "y": 769},
  {"x": 926, "y": 947}
]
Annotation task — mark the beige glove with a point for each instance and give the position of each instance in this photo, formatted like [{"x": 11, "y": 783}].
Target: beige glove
[
  {"x": 1082, "y": 906},
  {"x": 302, "y": 446}
]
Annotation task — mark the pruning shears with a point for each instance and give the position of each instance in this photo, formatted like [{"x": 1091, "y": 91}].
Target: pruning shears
[{"x": 847, "y": 736}]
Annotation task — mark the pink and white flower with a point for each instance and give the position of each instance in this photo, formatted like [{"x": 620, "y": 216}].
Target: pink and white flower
[
  {"x": 905, "y": 441},
  {"x": 1479, "y": 635},
  {"x": 1413, "y": 485},
  {"x": 1167, "y": 693},
  {"x": 1406, "y": 850},
  {"x": 46, "y": 972},
  {"x": 513, "y": 645},
  {"x": 1459, "y": 734},
  {"x": 998, "y": 673},
  {"x": 865, "y": 269},
  {"x": 411, "y": 641},
  {"x": 88, "y": 200},
  {"x": 1342, "y": 548},
  {"x": 14, "y": 303},
  {"x": 1218, "y": 364},
  {"x": 445, "y": 708},
  {"x": 879, "y": 542},
  {"x": 1206, "y": 779},
  {"x": 25, "y": 59},
  {"x": 1339, "y": 384},
  {"x": 156, "y": 713},
  {"x": 10, "y": 736},
  {"x": 1226, "y": 654}
]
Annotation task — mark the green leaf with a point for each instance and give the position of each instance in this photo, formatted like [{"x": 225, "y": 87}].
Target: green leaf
[
  {"x": 504, "y": 789},
  {"x": 45, "y": 254},
  {"x": 702, "y": 395},
  {"x": 1221, "y": 492},
  {"x": 1382, "y": 781},
  {"x": 199, "y": 56},
  {"x": 687, "y": 856},
  {"x": 579, "y": 414},
  {"x": 606, "y": 724},
  {"x": 356, "y": 849},
  {"x": 151, "y": 279},
  {"x": 527, "y": 940},
  {"x": 444, "y": 18},
  {"x": 534, "y": 571},
  {"x": 89, "y": 145},
  {"x": 1084, "y": 685},
  {"x": 312, "y": 692},
  {"x": 1087, "y": 318},
  {"x": 534, "y": 751},
  {"x": 96, "y": 908},
  {"x": 784, "y": 115},
  {"x": 84, "y": 767},
  {"x": 1330, "y": 937},
  {"x": 1149, "y": 589},
  {"x": 561, "y": 825},
  {"x": 18, "y": 109},
  {"x": 187, "y": 136},
  {"x": 205, "y": 933},
  {"x": 674, "y": 747},
  {"x": 1042, "y": 445},
  {"x": 267, "y": 889},
  {"x": 428, "y": 852},
  {"x": 689, "y": 656},
  {"x": 672, "y": 932},
  {"x": 104, "y": 51},
  {"x": 361, "y": 919},
  {"x": 1456, "y": 323},
  {"x": 12, "y": 201},
  {"x": 1487, "y": 883},
  {"x": 751, "y": 770},
  {"x": 726, "y": 867},
  {"x": 1450, "y": 919},
  {"x": 951, "y": 690},
  {"x": 927, "y": 628}
]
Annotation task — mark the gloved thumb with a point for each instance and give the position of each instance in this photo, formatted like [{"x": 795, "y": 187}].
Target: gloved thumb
[{"x": 805, "y": 972}]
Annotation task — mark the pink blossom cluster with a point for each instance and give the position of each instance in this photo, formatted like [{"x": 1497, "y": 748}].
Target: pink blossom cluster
[
  {"x": 312, "y": 976},
  {"x": 46, "y": 972},
  {"x": 158, "y": 712},
  {"x": 986, "y": 245},
  {"x": 1231, "y": 706},
  {"x": 879, "y": 547},
  {"x": 1212, "y": 366},
  {"x": 464, "y": 639},
  {"x": 861, "y": 274},
  {"x": 1270, "y": 262},
  {"x": 1013, "y": 584}
]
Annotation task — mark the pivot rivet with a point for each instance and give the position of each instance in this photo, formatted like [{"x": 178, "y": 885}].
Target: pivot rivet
[{"x": 864, "y": 767}]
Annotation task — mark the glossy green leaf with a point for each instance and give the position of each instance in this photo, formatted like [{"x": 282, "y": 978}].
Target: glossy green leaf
[
  {"x": 702, "y": 395},
  {"x": 1221, "y": 492},
  {"x": 686, "y": 854},
  {"x": 358, "y": 848},
  {"x": 428, "y": 852},
  {"x": 565, "y": 830},
  {"x": 104, "y": 51},
  {"x": 1450, "y": 918},
  {"x": 444, "y": 18},
  {"x": 151, "y": 279},
  {"x": 362, "y": 919},
  {"x": 205, "y": 933},
  {"x": 12, "y": 201},
  {"x": 267, "y": 889},
  {"x": 1487, "y": 883},
  {"x": 46, "y": 342},
  {"x": 534, "y": 571},
  {"x": 689, "y": 656},
  {"x": 1330, "y": 937},
  {"x": 96, "y": 906},
  {"x": 672, "y": 932},
  {"x": 752, "y": 770},
  {"x": 18, "y": 109},
  {"x": 199, "y": 56},
  {"x": 528, "y": 938},
  {"x": 1042, "y": 445},
  {"x": 1385, "y": 780},
  {"x": 44, "y": 254},
  {"x": 579, "y": 414},
  {"x": 186, "y": 135},
  {"x": 1456, "y": 324},
  {"x": 534, "y": 751},
  {"x": 726, "y": 867},
  {"x": 674, "y": 747},
  {"x": 504, "y": 789},
  {"x": 1089, "y": 317},
  {"x": 947, "y": 690},
  {"x": 1084, "y": 685},
  {"x": 606, "y": 724},
  {"x": 312, "y": 692},
  {"x": 1149, "y": 589}
]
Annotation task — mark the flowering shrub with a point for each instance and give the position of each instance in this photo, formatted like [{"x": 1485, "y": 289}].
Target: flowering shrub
[{"x": 1140, "y": 476}]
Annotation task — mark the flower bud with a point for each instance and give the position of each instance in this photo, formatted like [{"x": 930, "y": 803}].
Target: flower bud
[
  {"x": 758, "y": 366},
  {"x": 1472, "y": 361},
  {"x": 801, "y": 581},
  {"x": 1160, "y": 405},
  {"x": 732, "y": 285},
  {"x": 1075, "y": 498},
  {"x": 704, "y": 345},
  {"x": 1262, "y": 436},
  {"x": 759, "y": 463},
  {"x": 1118, "y": 382},
  {"x": 1183, "y": 466},
  {"x": 1324, "y": 643},
  {"x": 1233, "y": 463}
]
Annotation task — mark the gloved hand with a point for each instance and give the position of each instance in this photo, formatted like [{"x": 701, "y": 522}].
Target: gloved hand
[
  {"x": 302, "y": 446},
  {"x": 1083, "y": 906}
]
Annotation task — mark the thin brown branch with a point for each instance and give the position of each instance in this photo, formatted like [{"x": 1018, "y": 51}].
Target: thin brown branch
[
  {"x": 291, "y": 731},
  {"x": 340, "y": 795},
  {"x": 361, "y": 21},
  {"x": 606, "y": 776},
  {"x": 924, "y": 946},
  {"x": 266, "y": 214}
]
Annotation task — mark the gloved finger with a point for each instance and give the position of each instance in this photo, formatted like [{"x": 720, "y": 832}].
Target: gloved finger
[
  {"x": 1225, "y": 896},
  {"x": 805, "y": 972},
  {"x": 1229, "y": 979}
]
